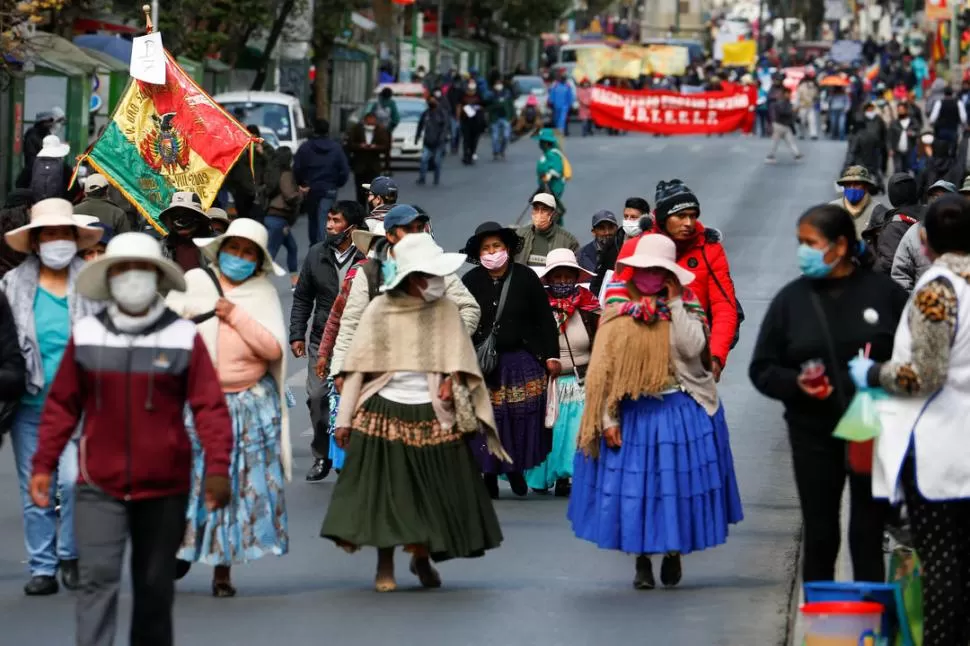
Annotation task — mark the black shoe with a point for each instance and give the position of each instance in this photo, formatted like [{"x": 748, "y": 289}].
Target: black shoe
[
  {"x": 70, "y": 576},
  {"x": 491, "y": 483},
  {"x": 319, "y": 470},
  {"x": 644, "y": 577},
  {"x": 670, "y": 570},
  {"x": 41, "y": 586},
  {"x": 182, "y": 568},
  {"x": 518, "y": 484},
  {"x": 563, "y": 488},
  {"x": 421, "y": 182}
]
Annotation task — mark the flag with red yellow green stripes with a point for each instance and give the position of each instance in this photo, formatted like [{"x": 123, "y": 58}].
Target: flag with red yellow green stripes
[{"x": 163, "y": 139}]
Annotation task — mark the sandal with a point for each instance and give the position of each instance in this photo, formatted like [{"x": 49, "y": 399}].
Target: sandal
[{"x": 426, "y": 573}]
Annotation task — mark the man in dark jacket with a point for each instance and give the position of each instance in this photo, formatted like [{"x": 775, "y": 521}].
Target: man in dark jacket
[
  {"x": 867, "y": 146},
  {"x": 782, "y": 116},
  {"x": 884, "y": 233},
  {"x": 44, "y": 124},
  {"x": 903, "y": 135},
  {"x": 321, "y": 166},
  {"x": 97, "y": 204},
  {"x": 369, "y": 146},
  {"x": 14, "y": 214},
  {"x": 324, "y": 269},
  {"x": 947, "y": 116},
  {"x": 605, "y": 229},
  {"x": 435, "y": 125},
  {"x": 50, "y": 175}
]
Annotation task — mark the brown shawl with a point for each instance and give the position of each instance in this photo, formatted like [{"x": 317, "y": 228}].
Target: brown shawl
[
  {"x": 399, "y": 333},
  {"x": 630, "y": 358}
]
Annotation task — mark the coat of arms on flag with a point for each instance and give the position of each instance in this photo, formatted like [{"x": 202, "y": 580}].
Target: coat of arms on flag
[{"x": 167, "y": 138}]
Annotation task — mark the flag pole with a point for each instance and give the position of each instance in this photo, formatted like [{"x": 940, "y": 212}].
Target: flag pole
[{"x": 150, "y": 16}]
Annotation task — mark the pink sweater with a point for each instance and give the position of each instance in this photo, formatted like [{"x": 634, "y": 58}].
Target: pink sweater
[{"x": 245, "y": 350}]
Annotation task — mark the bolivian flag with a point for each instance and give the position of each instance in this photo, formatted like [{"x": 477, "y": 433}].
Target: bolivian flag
[{"x": 167, "y": 138}]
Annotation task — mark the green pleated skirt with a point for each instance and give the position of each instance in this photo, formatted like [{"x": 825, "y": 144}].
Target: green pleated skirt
[{"x": 408, "y": 482}]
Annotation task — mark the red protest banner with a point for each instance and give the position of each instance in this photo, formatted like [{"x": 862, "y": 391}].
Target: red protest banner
[{"x": 670, "y": 113}]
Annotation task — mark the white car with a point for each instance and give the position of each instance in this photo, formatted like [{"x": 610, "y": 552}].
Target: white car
[
  {"x": 403, "y": 146},
  {"x": 279, "y": 112},
  {"x": 525, "y": 86}
]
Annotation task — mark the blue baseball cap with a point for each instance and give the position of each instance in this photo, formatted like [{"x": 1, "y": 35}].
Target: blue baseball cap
[
  {"x": 401, "y": 215},
  {"x": 381, "y": 186}
]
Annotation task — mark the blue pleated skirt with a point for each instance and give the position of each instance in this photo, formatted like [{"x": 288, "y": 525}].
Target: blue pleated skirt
[
  {"x": 336, "y": 455},
  {"x": 559, "y": 464},
  {"x": 254, "y": 523},
  {"x": 663, "y": 490}
]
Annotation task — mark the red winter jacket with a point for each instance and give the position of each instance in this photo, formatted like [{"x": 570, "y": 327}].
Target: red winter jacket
[
  {"x": 132, "y": 393},
  {"x": 720, "y": 306}
]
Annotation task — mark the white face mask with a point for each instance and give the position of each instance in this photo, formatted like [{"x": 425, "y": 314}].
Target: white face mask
[
  {"x": 370, "y": 128},
  {"x": 499, "y": 87},
  {"x": 434, "y": 290},
  {"x": 870, "y": 115},
  {"x": 57, "y": 254},
  {"x": 631, "y": 228},
  {"x": 134, "y": 290}
]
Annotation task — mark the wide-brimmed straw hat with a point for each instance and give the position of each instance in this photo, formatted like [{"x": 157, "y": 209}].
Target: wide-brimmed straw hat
[
  {"x": 242, "y": 228},
  {"x": 418, "y": 253},
  {"x": 859, "y": 174},
  {"x": 53, "y": 147},
  {"x": 559, "y": 258},
  {"x": 509, "y": 237},
  {"x": 52, "y": 212},
  {"x": 363, "y": 239},
  {"x": 92, "y": 281},
  {"x": 657, "y": 250}
]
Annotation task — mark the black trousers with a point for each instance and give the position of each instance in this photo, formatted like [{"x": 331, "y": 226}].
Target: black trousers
[
  {"x": 471, "y": 131},
  {"x": 102, "y": 526},
  {"x": 319, "y": 404},
  {"x": 941, "y": 536},
  {"x": 820, "y": 467}
]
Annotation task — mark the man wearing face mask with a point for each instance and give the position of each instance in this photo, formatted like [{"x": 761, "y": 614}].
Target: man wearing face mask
[
  {"x": 185, "y": 220},
  {"x": 947, "y": 116},
  {"x": 46, "y": 122},
  {"x": 911, "y": 261},
  {"x": 501, "y": 111},
  {"x": 471, "y": 116},
  {"x": 369, "y": 148},
  {"x": 636, "y": 220},
  {"x": 128, "y": 374},
  {"x": 380, "y": 268},
  {"x": 858, "y": 186},
  {"x": 604, "y": 231},
  {"x": 543, "y": 235},
  {"x": 435, "y": 126},
  {"x": 324, "y": 269},
  {"x": 381, "y": 198},
  {"x": 45, "y": 303}
]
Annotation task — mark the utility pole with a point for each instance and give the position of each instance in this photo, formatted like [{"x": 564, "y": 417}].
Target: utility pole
[
  {"x": 955, "y": 6},
  {"x": 438, "y": 36}
]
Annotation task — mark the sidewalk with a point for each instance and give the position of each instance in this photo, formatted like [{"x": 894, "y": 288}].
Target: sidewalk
[{"x": 843, "y": 572}]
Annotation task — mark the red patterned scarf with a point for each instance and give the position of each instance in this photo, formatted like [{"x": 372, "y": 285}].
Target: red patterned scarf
[
  {"x": 648, "y": 308},
  {"x": 564, "y": 308}
]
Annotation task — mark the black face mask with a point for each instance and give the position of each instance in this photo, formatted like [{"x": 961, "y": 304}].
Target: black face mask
[{"x": 337, "y": 239}]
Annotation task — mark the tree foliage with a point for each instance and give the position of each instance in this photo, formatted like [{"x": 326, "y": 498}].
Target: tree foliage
[
  {"x": 15, "y": 18},
  {"x": 330, "y": 18}
]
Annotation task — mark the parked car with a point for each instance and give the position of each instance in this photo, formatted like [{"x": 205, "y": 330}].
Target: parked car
[
  {"x": 279, "y": 112},
  {"x": 403, "y": 147},
  {"x": 525, "y": 86}
]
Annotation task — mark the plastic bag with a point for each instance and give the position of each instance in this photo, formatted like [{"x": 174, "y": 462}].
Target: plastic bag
[
  {"x": 904, "y": 569},
  {"x": 861, "y": 423}
]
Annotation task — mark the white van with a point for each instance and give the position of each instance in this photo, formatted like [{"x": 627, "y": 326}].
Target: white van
[{"x": 279, "y": 112}]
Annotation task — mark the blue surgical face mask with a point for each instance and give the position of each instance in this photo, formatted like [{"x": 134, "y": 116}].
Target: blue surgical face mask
[
  {"x": 235, "y": 268},
  {"x": 811, "y": 262},
  {"x": 388, "y": 269},
  {"x": 854, "y": 195}
]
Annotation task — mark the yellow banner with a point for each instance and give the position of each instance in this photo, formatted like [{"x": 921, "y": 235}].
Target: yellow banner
[{"x": 740, "y": 54}]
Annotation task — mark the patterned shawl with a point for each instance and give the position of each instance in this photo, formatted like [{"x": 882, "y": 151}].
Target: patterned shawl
[{"x": 564, "y": 308}]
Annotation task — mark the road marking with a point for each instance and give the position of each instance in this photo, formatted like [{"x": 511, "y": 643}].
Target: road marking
[{"x": 696, "y": 148}]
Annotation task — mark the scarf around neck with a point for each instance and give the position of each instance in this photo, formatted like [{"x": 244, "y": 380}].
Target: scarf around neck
[{"x": 564, "y": 308}]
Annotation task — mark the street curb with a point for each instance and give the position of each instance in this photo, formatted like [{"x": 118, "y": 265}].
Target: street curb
[{"x": 795, "y": 597}]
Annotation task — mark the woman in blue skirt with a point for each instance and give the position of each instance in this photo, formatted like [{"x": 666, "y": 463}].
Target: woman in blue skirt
[
  {"x": 577, "y": 314},
  {"x": 650, "y": 476}
]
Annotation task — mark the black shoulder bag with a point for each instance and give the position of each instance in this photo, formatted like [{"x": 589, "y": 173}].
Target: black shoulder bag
[
  {"x": 202, "y": 318},
  {"x": 486, "y": 351},
  {"x": 737, "y": 301}
]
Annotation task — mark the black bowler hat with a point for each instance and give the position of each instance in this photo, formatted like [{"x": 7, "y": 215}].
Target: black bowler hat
[{"x": 507, "y": 235}]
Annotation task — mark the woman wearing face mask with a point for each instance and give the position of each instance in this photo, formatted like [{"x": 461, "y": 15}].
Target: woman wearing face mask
[
  {"x": 811, "y": 330},
  {"x": 577, "y": 314},
  {"x": 42, "y": 296},
  {"x": 240, "y": 318},
  {"x": 412, "y": 396},
  {"x": 651, "y": 410},
  {"x": 526, "y": 341}
]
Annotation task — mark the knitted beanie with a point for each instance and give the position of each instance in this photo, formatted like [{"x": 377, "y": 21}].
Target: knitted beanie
[{"x": 673, "y": 197}]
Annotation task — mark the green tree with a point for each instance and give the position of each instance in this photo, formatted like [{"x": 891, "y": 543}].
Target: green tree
[{"x": 330, "y": 18}]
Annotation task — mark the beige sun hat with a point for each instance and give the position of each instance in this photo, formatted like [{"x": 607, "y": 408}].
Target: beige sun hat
[
  {"x": 418, "y": 253},
  {"x": 363, "y": 239},
  {"x": 242, "y": 228},
  {"x": 558, "y": 258},
  {"x": 52, "y": 212},
  {"x": 215, "y": 213},
  {"x": 53, "y": 147},
  {"x": 92, "y": 281},
  {"x": 657, "y": 250}
]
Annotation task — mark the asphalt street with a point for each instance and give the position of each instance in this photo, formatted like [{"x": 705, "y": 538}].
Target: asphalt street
[{"x": 543, "y": 586}]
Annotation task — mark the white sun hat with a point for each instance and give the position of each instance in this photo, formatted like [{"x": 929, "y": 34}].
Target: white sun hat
[
  {"x": 242, "y": 228},
  {"x": 657, "y": 250},
  {"x": 52, "y": 212},
  {"x": 418, "y": 253},
  {"x": 53, "y": 147},
  {"x": 92, "y": 281},
  {"x": 558, "y": 258}
]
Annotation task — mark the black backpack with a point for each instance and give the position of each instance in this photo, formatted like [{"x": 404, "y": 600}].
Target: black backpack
[{"x": 47, "y": 178}]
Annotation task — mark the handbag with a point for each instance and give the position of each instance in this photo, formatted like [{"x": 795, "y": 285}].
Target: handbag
[
  {"x": 858, "y": 454},
  {"x": 487, "y": 351}
]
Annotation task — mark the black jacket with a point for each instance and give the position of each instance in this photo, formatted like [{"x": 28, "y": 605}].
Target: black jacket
[
  {"x": 12, "y": 370},
  {"x": 791, "y": 335},
  {"x": 321, "y": 164},
  {"x": 435, "y": 124},
  {"x": 33, "y": 142},
  {"x": 315, "y": 292},
  {"x": 896, "y": 134},
  {"x": 527, "y": 322},
  {"x": 885, "y": 234}
]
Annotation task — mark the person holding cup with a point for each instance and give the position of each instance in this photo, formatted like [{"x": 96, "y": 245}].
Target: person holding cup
[{"x": 813, "y": 327}]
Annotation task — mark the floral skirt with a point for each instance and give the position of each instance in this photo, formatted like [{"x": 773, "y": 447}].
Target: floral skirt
[
  {"x": 559, "y": 464},
  {"x": 663, "y": 490},
  {"x": 518, "y": 392},
  {"x": 254, "y": 522},
  {"x": 336, "y": 455},
  {"x": 407, "y": 481}
]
